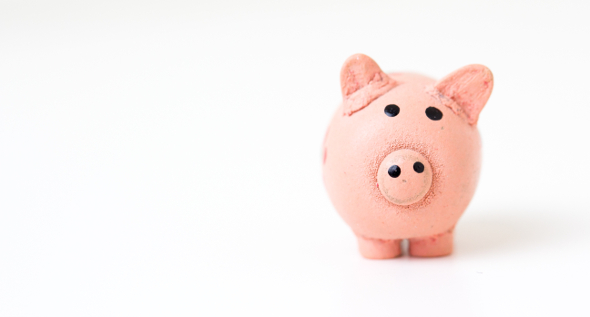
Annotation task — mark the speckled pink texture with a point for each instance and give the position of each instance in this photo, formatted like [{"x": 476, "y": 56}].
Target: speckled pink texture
[
  {"x": 360, "y": 137},
  {"x": 362, "y": 82}
]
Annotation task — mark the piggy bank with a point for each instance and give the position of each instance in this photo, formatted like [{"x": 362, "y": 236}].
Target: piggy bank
[{"x": 401, "y": 157}]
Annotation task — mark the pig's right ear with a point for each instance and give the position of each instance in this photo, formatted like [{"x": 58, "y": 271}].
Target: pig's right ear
[
  {"x": 362, "y": 81},
  {"x": 469, "y": 87}
]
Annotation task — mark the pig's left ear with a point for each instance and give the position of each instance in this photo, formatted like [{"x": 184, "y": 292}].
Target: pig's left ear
[
  {"x": 469, "y": 87},
  {"x": 362, "y": 81}
]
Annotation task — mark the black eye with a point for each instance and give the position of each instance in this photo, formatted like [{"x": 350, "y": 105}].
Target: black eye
[
  {"x": 418, "y": 167},
  {"x": 433, "y": 114},
  {"x": 394, "y": 171},
  {"x": 392, "y": 110}
]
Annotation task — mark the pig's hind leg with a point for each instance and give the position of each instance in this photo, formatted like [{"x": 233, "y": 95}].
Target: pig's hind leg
[
  {"x": 436, "y": 245},
  {"x": 379, "y": 249}
]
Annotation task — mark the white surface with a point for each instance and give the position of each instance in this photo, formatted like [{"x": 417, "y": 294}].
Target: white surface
[{"x": 162, "y": 159}]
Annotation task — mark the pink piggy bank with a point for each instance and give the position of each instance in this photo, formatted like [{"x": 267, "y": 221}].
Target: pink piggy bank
[{"x": 401, "y": 156}]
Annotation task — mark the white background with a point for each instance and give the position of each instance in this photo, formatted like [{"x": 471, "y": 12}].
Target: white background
[{"x": 163, "y": 159}]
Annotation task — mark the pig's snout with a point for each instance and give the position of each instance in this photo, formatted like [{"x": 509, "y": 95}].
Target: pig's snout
[{"x": 404, "y": 177}]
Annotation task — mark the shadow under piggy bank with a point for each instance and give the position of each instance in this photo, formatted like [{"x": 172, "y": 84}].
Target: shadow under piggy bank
[{"x": 490, "y": 232}]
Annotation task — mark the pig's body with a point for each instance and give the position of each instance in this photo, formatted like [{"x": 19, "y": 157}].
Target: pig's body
[{"x": 365, "y": 148}]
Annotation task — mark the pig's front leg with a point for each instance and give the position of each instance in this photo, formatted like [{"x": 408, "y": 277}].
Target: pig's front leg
[
  {"x": 435, "y": 245},
  {"x": 379, "y": 249}
]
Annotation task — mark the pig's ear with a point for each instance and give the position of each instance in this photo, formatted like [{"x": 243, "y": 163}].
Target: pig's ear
[
  {"x": 469, "y": 87},
  {"x": 362, "y": 81}
]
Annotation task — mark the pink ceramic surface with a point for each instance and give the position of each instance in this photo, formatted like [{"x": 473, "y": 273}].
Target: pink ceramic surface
[{"x": 401, "y": 156}]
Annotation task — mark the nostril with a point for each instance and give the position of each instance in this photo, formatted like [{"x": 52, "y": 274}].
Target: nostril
[
  {"x": 418, "y": 167},
  {"x": 394, "y": 171}
]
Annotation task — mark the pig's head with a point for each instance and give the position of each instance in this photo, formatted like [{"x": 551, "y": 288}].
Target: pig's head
[{"x": 414, "y": 137}]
